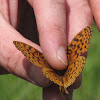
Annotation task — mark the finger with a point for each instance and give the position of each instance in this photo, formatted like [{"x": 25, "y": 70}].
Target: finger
[
  {"x": 51, "y": 22},
  {"x": 77, "y": 82},
  {"x": 13, "y": 60},
  {"x": 95, "y": 6},
  {"x": 52, "y": 92},
  {"x": 80, "y": 16},
  {"x": 13, "y": 13},
  {"x": 4, "y": 9}
]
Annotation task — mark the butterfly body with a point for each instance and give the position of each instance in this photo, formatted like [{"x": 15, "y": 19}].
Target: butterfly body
[{"x": 76, "y": 61}]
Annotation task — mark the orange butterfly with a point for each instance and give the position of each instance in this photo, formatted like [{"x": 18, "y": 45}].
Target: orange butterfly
[{"x": 76, "y": 61}]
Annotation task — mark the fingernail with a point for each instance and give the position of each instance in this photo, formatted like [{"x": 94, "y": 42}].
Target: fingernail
[{"x": 62, "y": 56}]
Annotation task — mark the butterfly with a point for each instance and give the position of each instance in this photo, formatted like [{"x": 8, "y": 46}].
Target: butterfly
[{"x": 79, "y": 45}]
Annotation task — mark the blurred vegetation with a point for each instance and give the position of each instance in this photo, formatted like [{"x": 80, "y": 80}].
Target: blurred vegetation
[{"x": 14, "y": 88}]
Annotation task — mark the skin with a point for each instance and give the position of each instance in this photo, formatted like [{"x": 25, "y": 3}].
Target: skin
[{"x": 58, "y": 21}]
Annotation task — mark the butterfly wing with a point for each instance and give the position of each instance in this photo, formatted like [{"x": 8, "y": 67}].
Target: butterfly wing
[
  {"x": 79, "y": 44},
  {"x": 32, "y": 54},
  {"x": 73, "y": 71},
  {"x": 37, "y": 58},
  {"x": 50, "y": 74},
  {"x": 76, "y": 48}
]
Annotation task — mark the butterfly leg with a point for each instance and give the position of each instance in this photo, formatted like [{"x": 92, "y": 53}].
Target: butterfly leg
[
  {"x": 60, "y": 88},
  {"x": 66, "y": 90}
]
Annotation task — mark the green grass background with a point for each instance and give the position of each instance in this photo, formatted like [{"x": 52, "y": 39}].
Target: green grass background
[{"x": 14, "y": 88}]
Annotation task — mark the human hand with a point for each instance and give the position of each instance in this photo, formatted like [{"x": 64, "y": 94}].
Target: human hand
[
  {"x": 53, "y": 30},
  {"x": 95, "y": 7}
]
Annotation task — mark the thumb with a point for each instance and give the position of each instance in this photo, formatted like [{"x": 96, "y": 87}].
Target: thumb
[{"x": 51, "y": 22}]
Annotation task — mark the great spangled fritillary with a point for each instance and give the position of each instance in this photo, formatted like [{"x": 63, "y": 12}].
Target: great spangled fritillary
[{"x": 76, "y": 61}]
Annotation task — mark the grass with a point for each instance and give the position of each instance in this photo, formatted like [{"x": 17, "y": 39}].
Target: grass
[{"x": 14, "y": 88}]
